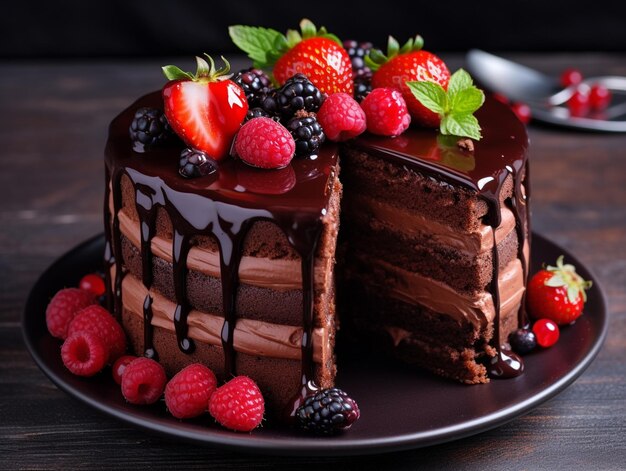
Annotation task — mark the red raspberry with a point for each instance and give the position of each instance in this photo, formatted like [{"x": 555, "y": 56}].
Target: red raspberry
[
  {"x": 63, "y": 307},
  {"x": 84, "y": 353},
  {"x": 238, "y": 405},
  {"x": 117, "y": 370},
  {"x": 92, "y": 282},
  {"x": 187, "y": 394},
  {"x": 143, "y": 381},
  {"x": 99, "y": 321},
  {"x": 264, "y": 143},
  {"x": 341, "y": 117},
  {"x": 386, "y": 112}
]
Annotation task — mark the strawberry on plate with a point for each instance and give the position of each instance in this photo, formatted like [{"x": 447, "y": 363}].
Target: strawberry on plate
[
  {"x": 409, "y": 63},
  {"x": 315, "y": 53},
  {"x": 205, "y": 109},
  {"x": 557, "y": 293}
]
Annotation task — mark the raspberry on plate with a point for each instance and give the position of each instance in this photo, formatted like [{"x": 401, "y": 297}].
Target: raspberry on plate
[
  {"x": 97, "y": 320},
  {"x": 143, "y": 381},
  {"x": 187, "y": 394},
  {"x": 386, "y": 112},
  {"x": 238, "y": 405},
  {"x": 264, "y": 143},
  {"x": 84, "y": 353},
  {"x": 341, "y": 117},
  {"x": 63, "y": 307},
  {"x": 118, "y": 368}
]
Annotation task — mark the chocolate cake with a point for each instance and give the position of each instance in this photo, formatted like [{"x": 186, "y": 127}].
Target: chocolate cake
[{"x": 237, "y": 269}]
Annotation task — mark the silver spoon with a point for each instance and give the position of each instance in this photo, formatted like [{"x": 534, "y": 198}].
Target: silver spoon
[{"x": 543, "y": 93}]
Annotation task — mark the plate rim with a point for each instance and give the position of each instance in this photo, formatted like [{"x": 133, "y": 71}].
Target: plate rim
[{"x": 320, "y": 446}]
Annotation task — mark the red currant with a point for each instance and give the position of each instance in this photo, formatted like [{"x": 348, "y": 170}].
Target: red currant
[
  {"x": 571, "y": 77},
  {"x": 92, "y": 283},
  {"x": 578, "y": 104},
  {"x": 599, "y": 97},
  {"x": 522, "y": 111},
  {"x": 117, "y": 370},
  {"x": 546, "y": 332},
  {"x": 501, "y": 98}
]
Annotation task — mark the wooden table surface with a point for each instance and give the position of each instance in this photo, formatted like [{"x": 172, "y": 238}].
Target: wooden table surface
[{"x": 53, "y": 125}]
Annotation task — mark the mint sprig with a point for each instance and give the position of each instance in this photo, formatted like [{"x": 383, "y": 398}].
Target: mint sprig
[{"x": 456, "y": 107}]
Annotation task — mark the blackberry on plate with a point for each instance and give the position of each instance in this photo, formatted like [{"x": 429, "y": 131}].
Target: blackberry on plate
[
  {"x": 523, "y": 341},
  {"x": 327, "y": 411},
  {"x": 357, "y": 52},
  {"x": 255, "y": 84},
  {"x": 149, "y": 128},
  {"x": 195, "y": 163},
  {"x": 307, "y": 133},
  {"x": 298, "y": 93}
]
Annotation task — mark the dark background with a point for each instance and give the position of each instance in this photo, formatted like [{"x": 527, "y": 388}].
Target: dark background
[{"x": 118, "y": 28}]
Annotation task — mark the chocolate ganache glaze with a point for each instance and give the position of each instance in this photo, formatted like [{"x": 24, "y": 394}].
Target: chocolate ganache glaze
[
  {"x": 225, "y": 204},
  {"x": 502, "y": 152}
]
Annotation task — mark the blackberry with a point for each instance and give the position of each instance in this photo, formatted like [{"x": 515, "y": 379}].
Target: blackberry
[
  {"x": 362, "y": 88},
  {"x": 523, "y": 341},
  {"x": 256, "y": 113},
  {"x": 357, "y": 52},
  {"x": 307, "y": 133},
  {"x": 327, "y": 412},
  {"x": 298, "y": 93},
  {"x": 149, "y": 128},
  {"x": 255, "y": 84},
  {"x": 194, "y": 163}
]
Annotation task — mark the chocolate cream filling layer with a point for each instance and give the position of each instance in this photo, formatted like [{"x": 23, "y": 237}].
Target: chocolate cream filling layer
[
  {"x": 277, "y": 274},
  {"x": 412, "y": 223},
  {"x": 413, "y": 288},
  {"x": 250, "y": 336}
]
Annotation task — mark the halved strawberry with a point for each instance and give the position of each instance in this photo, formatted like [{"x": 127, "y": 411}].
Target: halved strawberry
[
  {"x": 206, "y": 108},
  {"x": 315, "y": 53},
  {"x": 406, "y": 64}
]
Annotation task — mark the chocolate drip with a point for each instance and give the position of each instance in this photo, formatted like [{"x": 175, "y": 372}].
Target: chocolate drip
[
  {"x": 180, "y": 250},
  {"x": 108, "y": 251},
  {"x": 114, "y": 241}
]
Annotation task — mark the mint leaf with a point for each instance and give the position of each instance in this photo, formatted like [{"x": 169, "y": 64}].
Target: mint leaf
[
  {"x": 431, "y": 95},
  {"x": 466, "y": 100},
  {"x": 255, "y": 41},
  {"x": 460, "y": 80},
  {"x": 461, "y": 125}
]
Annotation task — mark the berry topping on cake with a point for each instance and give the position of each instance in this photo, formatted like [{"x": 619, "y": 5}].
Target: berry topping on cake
[
  {"x": 93, "y": 282},
  {"x": 143, "y": 381},
  {"x": 341, "y": 117},
  {"x": 409, "y": 63},
  {"x": 386, "y": 112},
  {"x": 298, "y": 93},
  {"x": 238, "y": 404},
  {"x": 307, "y": 134},
  {"x": 206, "y": 108},
  {"x": 557, "y": 293},
  {"x": 63, "y": 307},
  {"x": 523, "y": 341},
  {"x": 187, "y": 394},
  {"x": 315, "y": 53},
  {"x": 256, "y": 113},
  {"x": 195, "y": 163},
  {"x": 362, "y": 88},
  {"x": 327, "y": 412},
  {"x": 357, "y": 52},
  {"x": 455, "y": 107},
  {"x": 149, "y": 128},
  {"x": 117, "y": 370},
  {"x": 546, "y": 332},
  {"x": 255, "y": 84},
  {"x": 84, "y": 353},
  {"x": 264, "y": 143},
  {"x": 97, "y": 320}
]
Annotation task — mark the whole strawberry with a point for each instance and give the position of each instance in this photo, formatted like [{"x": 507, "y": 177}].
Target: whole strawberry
[
  {"x": 409, "y": 63},
  {"x": 315, "y": 53},
  {"x": 205, "y": 109},
  {"x": 557, "y": 293}
]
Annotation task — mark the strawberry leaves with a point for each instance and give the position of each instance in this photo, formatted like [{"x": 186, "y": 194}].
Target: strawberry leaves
[
  {"x": 565, "y": 275},
  {"x": 455, "y": 107}
]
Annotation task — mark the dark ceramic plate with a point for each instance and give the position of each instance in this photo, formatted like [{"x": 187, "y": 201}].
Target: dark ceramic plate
[{"x": 400, "y": 408}]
